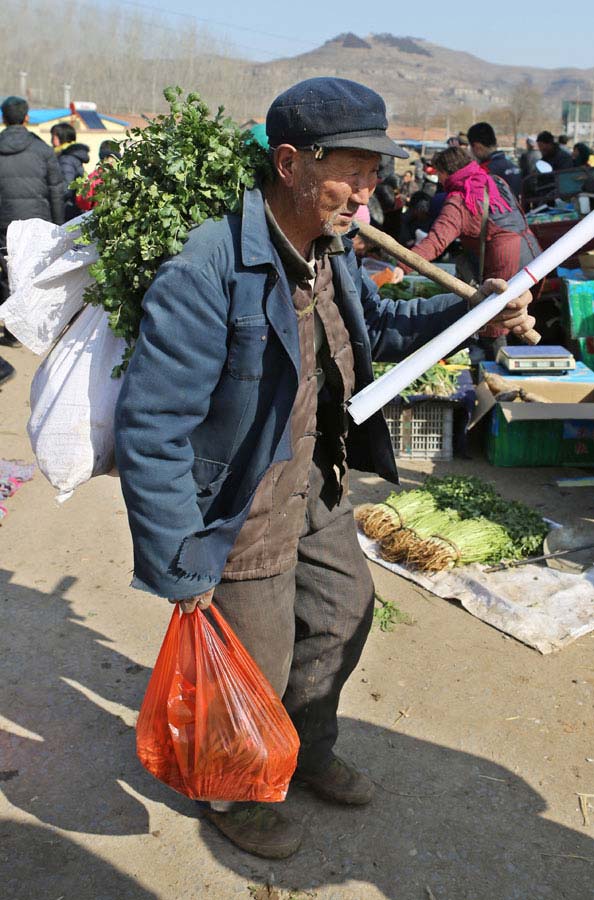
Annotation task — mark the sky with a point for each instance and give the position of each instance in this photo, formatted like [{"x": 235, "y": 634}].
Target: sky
[{"x": 542, "y": 33}]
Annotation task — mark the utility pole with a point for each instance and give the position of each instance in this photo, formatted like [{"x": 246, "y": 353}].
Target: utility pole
[
  {"x": 67, "y": 89},
  {"x": 577, "y": 116},
  {"x": 23, "y": 84}
]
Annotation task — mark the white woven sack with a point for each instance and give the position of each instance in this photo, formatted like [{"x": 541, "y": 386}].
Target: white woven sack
[
  {"x": 73, "y": 398},
  {"x": 47, "y": 276}
]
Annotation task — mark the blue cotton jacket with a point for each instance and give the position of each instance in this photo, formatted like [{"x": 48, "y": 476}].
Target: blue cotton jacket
[{"x": 206, "y": 402}]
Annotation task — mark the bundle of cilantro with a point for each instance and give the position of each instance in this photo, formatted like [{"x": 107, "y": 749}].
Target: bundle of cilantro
[{"x": 183, "y": 168}]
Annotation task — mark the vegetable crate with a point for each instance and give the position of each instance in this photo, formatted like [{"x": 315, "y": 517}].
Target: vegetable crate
[{"x": 421, "y": 431}]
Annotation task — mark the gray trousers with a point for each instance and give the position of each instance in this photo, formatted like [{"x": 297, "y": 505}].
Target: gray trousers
[{"x": 306, "y": 628}]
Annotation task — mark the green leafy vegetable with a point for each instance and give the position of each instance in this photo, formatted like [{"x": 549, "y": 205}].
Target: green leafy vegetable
[
  {"x": 409, "y": 290},
  {"x": 183, "y": 168},
  {"x": 387, "y": 614},
  {"x": 471, "y": 497},
  {"x": 438, "y": 381}
]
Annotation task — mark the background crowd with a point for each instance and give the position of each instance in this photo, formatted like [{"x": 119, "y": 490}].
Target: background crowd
[{"x": 469, "y": 199}]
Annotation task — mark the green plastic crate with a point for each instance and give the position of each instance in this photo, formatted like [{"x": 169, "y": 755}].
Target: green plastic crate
[
  {"x": 542, "y": 443},
  {"x": 579, "y": 308}
]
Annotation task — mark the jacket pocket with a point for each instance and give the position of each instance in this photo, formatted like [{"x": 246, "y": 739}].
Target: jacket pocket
[
  {"x": 208, "y": 476},
  {"x": 249, "y": 339}
]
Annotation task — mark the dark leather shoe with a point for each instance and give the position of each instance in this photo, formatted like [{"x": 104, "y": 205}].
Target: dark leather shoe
[
  {"x": 339, "y": 782},
  {"x": 259, "y": 828}
]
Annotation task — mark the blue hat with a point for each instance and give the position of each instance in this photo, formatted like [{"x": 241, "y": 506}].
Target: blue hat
[{"x": 331, "y": 113}]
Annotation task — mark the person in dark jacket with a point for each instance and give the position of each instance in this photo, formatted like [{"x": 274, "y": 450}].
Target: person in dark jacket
[
  {"x": 31, "y": 183},
  {"x": 483, "y": 143},
  {"x": 232, "y": 439},
  {"x": 557, "y": 157},
  {"x": 72, "y": 157}
]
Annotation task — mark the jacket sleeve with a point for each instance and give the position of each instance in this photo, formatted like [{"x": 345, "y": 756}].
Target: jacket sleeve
[
  {"x": 55, "y": 184},
  {"x": 398, "y": 327},
  {"x": 176, "y": 364},
  {"x": 446, "y": 228}
]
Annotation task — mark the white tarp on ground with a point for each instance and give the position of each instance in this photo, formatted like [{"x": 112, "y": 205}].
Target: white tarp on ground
[{"x": 544, "y": 608}]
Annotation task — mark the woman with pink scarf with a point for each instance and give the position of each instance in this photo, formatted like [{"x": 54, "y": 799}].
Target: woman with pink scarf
[{"x": 508, "y": 242}]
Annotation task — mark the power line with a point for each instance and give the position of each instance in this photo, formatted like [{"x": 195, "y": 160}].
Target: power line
[{"x": 282, "y": 37}]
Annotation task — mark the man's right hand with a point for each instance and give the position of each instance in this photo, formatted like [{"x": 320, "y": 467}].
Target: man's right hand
[{"x": 202, "y": 601}]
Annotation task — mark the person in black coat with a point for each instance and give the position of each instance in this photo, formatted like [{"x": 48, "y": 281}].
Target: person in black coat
[
  {"x": 557, "y": 157},
  {"x": 72, "y": 157},
  {"x": 31, "y": 182}
]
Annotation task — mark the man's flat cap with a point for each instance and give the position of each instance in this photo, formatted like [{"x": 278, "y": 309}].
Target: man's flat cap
[{"x": 331, "y": 113}]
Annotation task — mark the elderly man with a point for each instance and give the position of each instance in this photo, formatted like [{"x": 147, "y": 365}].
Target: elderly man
[{"x": 233, "y": 441}]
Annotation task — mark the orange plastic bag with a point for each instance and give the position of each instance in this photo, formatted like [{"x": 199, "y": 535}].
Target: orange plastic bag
[{"x": 210, "y": 725}]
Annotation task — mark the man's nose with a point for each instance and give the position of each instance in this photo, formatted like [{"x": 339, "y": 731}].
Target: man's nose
[{"x": 362, "y": 195}]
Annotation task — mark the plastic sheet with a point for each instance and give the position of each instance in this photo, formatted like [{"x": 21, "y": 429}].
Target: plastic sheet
[{"x": 210, "y": 725}]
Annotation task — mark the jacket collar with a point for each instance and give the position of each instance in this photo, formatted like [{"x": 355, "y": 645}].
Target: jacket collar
[{"x": 256, "y": 245}]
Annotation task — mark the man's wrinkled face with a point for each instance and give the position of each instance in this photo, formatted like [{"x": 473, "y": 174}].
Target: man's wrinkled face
[{"x": 328, "y": 192}]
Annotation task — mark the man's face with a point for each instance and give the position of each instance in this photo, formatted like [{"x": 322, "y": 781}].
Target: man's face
[
  {"x": 545, "y": 148},
  {"x": 479, "y": 151},
  {"x": 328, "y": 192}
]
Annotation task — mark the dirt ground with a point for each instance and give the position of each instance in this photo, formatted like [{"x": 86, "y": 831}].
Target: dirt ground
[{"x": 478, "y": 744}]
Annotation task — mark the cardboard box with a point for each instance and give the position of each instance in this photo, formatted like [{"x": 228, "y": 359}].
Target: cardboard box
[{"x": 557, "y": 433}]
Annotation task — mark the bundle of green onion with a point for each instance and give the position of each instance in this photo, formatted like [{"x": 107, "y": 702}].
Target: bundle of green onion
[
  {"x": 459, "y": 543},
  {"x": 473, "y": 498},
  {"x": 455, "y": 521},
  {"x": 401, "y": 546},
  {"x": 378, "y": 520}
]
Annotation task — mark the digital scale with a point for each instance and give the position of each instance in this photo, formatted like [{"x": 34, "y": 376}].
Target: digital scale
[{"x": 535, "y": 360}]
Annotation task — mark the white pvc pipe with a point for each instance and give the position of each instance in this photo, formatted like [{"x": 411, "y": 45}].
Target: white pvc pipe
[{"x": 375, "y": 395}]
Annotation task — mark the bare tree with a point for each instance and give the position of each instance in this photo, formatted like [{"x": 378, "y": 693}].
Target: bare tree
[{"x": 525, "y": 109}]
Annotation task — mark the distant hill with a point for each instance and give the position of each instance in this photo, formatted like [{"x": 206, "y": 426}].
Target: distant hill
[{"x": 409, "y": 73}]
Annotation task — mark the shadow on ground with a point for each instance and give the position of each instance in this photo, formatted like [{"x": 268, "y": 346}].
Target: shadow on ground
[
  {"x": 36, "y": 862},
  {"x": 69, "y": 777},
  {"x": 444, "y": 823}
]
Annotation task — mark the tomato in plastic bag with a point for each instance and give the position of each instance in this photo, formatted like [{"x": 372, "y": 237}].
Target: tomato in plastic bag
[{"x": 210, "y": 725}]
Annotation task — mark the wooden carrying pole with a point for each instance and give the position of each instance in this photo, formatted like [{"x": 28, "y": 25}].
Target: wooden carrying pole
[{"x": 424, "y": 267}]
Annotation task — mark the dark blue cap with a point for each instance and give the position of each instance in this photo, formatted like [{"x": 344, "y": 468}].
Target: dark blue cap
[{"x": 331, "y": 113}]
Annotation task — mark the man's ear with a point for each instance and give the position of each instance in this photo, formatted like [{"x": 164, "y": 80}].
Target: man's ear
[
  {"x": 26, "y": 119},
  {"x": 284, "y": 163}
]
